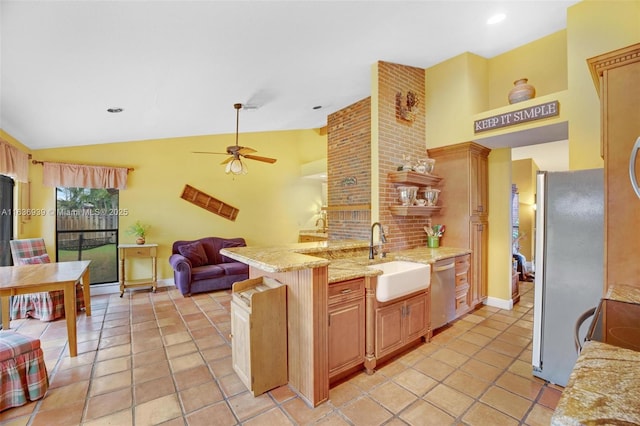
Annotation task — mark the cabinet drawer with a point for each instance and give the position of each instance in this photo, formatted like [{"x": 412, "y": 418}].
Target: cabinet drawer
[
  {"x": 139, "y": 252},
  {"x": 346, "y": 290},
  {"x": 462, "y": 264},
  {"x": 461, "y": 279}
]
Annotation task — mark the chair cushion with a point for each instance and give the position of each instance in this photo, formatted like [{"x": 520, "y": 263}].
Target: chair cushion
[
  {"x": 35, "y": 260},
  {"x": 195, "y": 253},
  {"x": 14, "y": 344}
]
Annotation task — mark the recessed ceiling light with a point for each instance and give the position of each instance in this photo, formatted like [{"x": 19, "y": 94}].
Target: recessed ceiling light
[
  {"x": 498, "y": 17},
  {"x": 115, "y": 110}
]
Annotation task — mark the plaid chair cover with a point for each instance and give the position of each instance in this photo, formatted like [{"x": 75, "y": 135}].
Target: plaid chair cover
[
  {"x": 46, "y": 306},
  {"x": 23, "y": 373}
]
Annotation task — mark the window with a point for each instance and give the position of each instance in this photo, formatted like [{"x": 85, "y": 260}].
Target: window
[{"x": 87, "y": 229}]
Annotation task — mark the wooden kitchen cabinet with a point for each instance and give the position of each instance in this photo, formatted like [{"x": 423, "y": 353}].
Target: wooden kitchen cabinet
[
  {"x": 259, "y": 333},
  {"x": 617, "y": 78},
  {"x": 465, "y": 191},
  {"x": 346, "y": 326},
  {"x": 402, "y": 322}
]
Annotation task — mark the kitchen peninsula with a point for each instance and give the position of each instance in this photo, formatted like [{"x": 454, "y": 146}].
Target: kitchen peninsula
[
  {"x": 308, "y": 270},
  {"x": 603, "y": 387}
]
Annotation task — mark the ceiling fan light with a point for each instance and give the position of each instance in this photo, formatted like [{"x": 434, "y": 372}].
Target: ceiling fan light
[{"x": 237, "y": 167}]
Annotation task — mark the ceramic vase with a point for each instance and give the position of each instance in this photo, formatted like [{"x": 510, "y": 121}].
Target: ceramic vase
[
  {"x": 140, "y": 240},
  {"x": 521, "y": 91}
]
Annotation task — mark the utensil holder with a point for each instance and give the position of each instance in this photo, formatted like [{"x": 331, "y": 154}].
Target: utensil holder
[{"x": 433, "y": 241}]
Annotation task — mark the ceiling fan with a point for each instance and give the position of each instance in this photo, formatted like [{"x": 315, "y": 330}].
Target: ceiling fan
[{"x": 234, "y": 163}]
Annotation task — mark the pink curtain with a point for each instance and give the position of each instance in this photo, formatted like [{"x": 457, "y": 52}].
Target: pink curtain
[
  {"x": 13, "y": 162},
  {"x": 80, "y": 176}
]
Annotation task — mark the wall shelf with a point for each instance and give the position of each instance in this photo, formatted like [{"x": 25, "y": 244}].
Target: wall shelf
[
  {"x": 421, "y": 180},
  {"x": 414, "y": 210},
  {"x": 414, "y": 178}
]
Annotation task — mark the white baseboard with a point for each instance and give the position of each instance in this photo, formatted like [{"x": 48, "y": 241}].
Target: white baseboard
[{"x": 499, "y": 303}]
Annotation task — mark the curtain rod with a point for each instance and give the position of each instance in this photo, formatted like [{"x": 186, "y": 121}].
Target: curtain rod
[{"x": 129, "y": 169}]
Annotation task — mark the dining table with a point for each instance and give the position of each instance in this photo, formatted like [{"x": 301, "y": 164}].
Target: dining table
[{"x": 25, "y": 279}]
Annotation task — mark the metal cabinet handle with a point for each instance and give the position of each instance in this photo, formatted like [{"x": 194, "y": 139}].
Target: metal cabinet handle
[
  {"x": 346, "y": 290},
  {"x": 632, "y": 167}
]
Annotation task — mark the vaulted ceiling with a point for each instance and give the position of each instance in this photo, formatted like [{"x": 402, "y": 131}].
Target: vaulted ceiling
[{"x": 176, "y": 68}]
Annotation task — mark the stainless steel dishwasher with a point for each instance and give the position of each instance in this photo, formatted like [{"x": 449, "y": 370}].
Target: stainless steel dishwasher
[{"x": 443, "y": 292}]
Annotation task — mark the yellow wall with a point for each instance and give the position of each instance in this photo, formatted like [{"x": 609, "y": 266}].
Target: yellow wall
[
  {"x": 456, "y": 90},
  {"x": 524, "y": 176},
  {"x": 273, "y": 201},
  {"x": 543, "y": 62},
  {"x": 499, "y": 263}
]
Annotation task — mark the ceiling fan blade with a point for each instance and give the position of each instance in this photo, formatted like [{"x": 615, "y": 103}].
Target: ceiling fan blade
[
  {"x": 227, "y": 160},
  {"x": 263, "y": 159},
  {"x": 207, "y": 152},
  {"x": 246, "y": 150}
]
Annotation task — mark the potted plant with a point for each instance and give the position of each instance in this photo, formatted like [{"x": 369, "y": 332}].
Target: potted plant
[{"x": 138, "y": 229}]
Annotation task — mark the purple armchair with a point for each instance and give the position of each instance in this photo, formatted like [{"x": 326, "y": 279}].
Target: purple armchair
[{"x": 199, "y": 267}]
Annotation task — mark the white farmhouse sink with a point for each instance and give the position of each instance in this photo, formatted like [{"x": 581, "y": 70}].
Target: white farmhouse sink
[{"x": 400, "y": 278}]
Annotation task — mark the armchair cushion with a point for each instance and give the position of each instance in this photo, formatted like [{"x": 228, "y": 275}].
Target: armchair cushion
[{"x": 195, "y": 253}]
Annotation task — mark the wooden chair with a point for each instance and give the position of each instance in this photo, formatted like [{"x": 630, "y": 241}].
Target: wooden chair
[{"x": 46, "y": 306}]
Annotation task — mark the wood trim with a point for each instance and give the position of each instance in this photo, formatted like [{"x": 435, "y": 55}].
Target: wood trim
[
  {"x": 616, "y": 58},
  {"x": 348, "y": 207},
  {"x": 459, "y": 147}
]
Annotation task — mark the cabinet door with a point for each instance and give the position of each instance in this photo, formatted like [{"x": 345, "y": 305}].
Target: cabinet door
[
  {"x": 417, "y": 317},
  {"x": 621, "y": 124},
  {"x": 389, "y": 329},
  {"x": 346, "y": 336},
  {"x": 240, "y": 349},
  {"x": 478, "y": 268},
  {"x": 478, "y": 196}
]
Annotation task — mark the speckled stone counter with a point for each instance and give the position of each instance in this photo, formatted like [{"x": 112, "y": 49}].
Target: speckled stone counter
[
  {"x": 604, "y": 388},
  {"x": 290, "y": 257},
  {"x": 347, "y": 259},
  {"x": 623, "y": 293}
]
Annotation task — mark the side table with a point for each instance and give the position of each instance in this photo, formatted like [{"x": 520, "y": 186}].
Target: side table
[{"x": 138, "y": 251}]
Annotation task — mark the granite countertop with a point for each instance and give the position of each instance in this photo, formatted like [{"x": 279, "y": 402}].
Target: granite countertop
[
  {"x": 346, "y": 259},
  {"x": 313, "y": 233},
  {"x": 623, "y": 293},
  {"x": 604, "y": 388}
]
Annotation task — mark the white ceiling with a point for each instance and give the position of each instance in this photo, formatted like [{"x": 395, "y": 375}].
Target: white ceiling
[{"x": 177, "y": 67}]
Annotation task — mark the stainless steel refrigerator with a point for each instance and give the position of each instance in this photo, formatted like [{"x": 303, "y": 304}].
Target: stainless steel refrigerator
[{"x": 569, "y": 261}]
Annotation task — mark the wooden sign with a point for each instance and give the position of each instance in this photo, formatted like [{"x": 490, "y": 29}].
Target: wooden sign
[
  {"x": 207, "y": 202},
  {"x": 536, "y": 112}
]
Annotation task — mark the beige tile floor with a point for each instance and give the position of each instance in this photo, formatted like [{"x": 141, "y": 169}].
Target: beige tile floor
[{"x": 163, "y": 359}]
